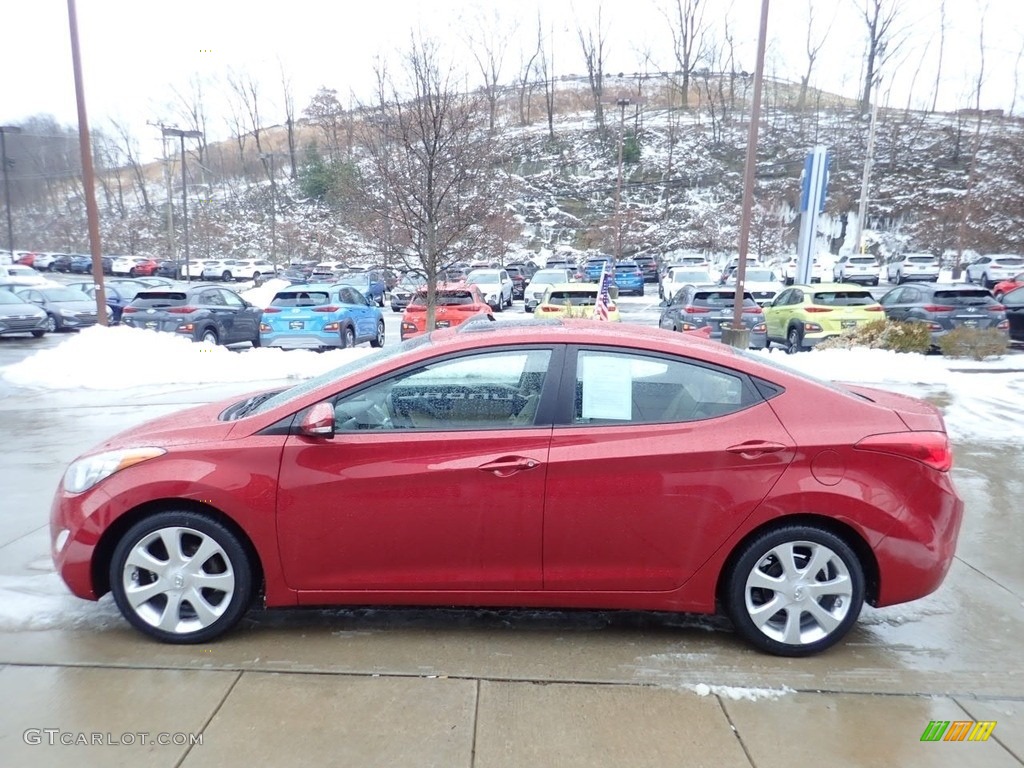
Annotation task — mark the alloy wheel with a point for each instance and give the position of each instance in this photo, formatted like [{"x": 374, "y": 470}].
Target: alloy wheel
[{"x": 51, "y": 324}]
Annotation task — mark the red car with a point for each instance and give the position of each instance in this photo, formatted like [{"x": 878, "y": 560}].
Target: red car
[
  {"x": 575, "y": 464},
  {"x": 144, "y": 268},
  {"x": 456, "y": 303},
  {"x": 1002, "y": 288}
]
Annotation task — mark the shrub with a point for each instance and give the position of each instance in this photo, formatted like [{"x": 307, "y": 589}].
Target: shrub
[
  {"x": 976, "y": 343},
  {"x": 884, "y": 334}
]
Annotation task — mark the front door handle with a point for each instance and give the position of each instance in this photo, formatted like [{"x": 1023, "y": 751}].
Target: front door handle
[
  {"x": 507, "y": 466},
  {"x": 753, "y": 449}
]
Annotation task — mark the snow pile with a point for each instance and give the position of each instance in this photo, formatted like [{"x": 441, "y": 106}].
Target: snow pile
[
  {"x": 120, "y": 357},
  {"x": 739, "y": 694},
  {"x": 262, "y": 296}
]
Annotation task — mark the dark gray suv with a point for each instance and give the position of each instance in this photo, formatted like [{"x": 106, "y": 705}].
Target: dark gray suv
[
  {"x": 696, "y": 307},
  {"x": 945, "y": 306}
]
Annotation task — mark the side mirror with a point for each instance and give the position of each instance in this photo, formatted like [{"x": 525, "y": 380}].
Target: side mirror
[{"x": 318, "y": 421}]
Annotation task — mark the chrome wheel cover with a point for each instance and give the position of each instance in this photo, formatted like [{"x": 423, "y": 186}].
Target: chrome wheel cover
[
  {"x": 179, "y": 580},
  {"x": 798, "y": 593}
]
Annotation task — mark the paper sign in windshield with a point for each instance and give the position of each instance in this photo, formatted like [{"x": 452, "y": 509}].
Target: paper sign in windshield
[{"x": 607, "y": 389}]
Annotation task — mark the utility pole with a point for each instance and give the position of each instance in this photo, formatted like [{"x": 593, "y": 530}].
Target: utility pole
[
  {"x": 621, "y": 104},
  {"x": 182, "y": 135},
  {"x": 862, "y": 207},
  {"x": 4, "y": 130},
  {"x": 269, "y": 156}
]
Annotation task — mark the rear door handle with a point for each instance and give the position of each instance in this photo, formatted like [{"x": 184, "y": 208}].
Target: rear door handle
[
  {"x": 752, "y": 449},
  {"x": 509, "y": 465}
]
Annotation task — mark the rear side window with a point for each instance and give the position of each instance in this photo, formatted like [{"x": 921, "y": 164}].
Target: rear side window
[
  {"x": 159, "y": 299},
  {"x": 843, "y": 299}
]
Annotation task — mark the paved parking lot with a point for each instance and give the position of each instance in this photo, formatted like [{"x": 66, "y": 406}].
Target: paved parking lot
[{"x": 450, "y": 687}]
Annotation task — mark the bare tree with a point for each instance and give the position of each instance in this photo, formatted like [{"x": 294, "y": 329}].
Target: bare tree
[
  {"x": 529, "y": 69},
  {"x": 289, "y": 119},
  {"x": 884, "y": 40},
  {"x": 967, "y": 201},
  {"x": 131, "y": 153},
  {"x": 813, "y": 46},
  {"x": 247, "y": 96},
  {"x": 428, "y": 190},
  {"x": 547, "y": 73},
  {"x": 190, "y": 107},
  {"x": 686, "y": 23},
  {"x": 489, "y": 46},
  {"x": 324, "y": 111},
  {"x": 1016, "y": 76},
  {"x": 942, "y": 46},
  {"x": 593, "y": 43}
]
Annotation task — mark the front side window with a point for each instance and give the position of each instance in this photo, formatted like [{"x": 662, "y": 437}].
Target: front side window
[
  {"x": 616, "y": 388},
  {"x": 492, "y": 390}
]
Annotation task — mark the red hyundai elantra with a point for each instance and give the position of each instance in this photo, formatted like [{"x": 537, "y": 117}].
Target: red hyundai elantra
[{"x": 577, "y": 465}]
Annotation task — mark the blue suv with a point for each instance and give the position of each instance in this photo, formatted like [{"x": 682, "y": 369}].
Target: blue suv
[
  {"x": 321, "y": 316},
  {"x": 629, "y": 278}
]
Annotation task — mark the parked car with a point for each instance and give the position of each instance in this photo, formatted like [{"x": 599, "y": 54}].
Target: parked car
[
  {"x": 26, "y": 258},
  {"x": 528, "y": 268},
  {"x": 372, "y": 283},
  {"x": 207, "y": 313},
  {"x": 170, "y": 268},
  {"x": 989, "y": 270},
  {"x": 20, "y": 316},
  {"x": 905, "y": 267},
  {"x": 518, "y": 282},
  {"x": 501, "y": 452},
  {"x": 761, "y": 283},
  {"x": 542, "y": 278},
  {"x": 856, "y": 268},
  {"x": 42, "y": 261},
  {"x": 592, "y": 268},
  {"x": 66, "y": 308},
  {"x": 688, "y": 259},
  {"x": 405, "y": 289},
  {"x": 133, "y": 266},
  {"x": 1014, "y": 303},
  {"x": 629, "y": 277},
  {"x": 679, "y": 276},
  {"x": 495, "y": 285},
  {"x": 649, "y": 268},
  {"x": 116, "y": 297},
  {"x": 81, "y": 263},
  {"x": 61, "y": 263},
  {"x": 321, "y": 316},
  {"x": 1005, "y": 286},
  {"x": 577, "y": 301},
  {"x": 326, "y": 271},
  {"x": 19, "y": 274},
  {"x": 804, "y": 315},
  {"x": 193, "y": 270},
  {"x": 696, "y": 307},
  {"x": 789, "y": 268},
  {"x": 455, "y": 304},
  {"x": 945, "y": 307},
  {"x": 238, "y": 269}
]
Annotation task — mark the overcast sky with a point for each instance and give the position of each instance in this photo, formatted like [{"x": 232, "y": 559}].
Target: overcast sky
[{"x": 134, "y": 51}]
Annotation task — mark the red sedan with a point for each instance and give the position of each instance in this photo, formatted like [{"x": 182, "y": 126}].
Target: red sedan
[
  {"x": 1002, "y": 288},
  {"x": 456, "y": 303},
  {"x": 557, "y": 465}
]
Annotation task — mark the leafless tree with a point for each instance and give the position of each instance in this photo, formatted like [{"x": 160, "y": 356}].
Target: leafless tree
[
  {"x": 1016, "y": 76},
  {"x": 884, "y": 40},
  {"x": 547, "y": 73},
  {"x": 967, "y": 201},
  {"x": 686, "y": 23},
  {"x": 325, "y": 111},
  {"x": 130, "y": 148},
  {"x": 942, "y": 46},
  {"x": 489, "y": 45},
  {"x": 288, "y": 98},
  {"x": 428, "y": 188},
  {"x": 530, "y": 69},
  {"x": 247, "y": 95},
  {"x": 813, "y": 45},
  {"x": 593, "y": 42},
  {"x": 190, "y": 106}
]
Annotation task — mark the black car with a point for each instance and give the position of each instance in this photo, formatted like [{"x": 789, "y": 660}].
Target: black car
[
  {"x": 61, "y": 264},
  {"x": 518, "y": 281},
  {"x": 207, "y": 313},
  {"x": 528, "y": 268},
  {"x": 1014, "y": 303},
  {"x": 944, "y": 306},
  {"x": 649, "y": 267},
  {"x": 80, "y": 264},
  {"x": 169, "y": 268}
]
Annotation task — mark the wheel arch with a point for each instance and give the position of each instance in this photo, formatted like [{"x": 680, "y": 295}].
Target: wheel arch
[
  {"x": 847, "y": 533},
  {"x": 104, "y": 550}
]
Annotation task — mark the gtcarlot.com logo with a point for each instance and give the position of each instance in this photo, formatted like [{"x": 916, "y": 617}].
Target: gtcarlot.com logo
[
  {"x": 958, "y": 730},
  {"x": 57, "y": 737}
]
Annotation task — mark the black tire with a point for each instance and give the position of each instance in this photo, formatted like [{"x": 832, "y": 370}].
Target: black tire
[
  {"x": 985, "y": 282},
  {"x": 899, "y": 278},
  {"x": 348, "y": 337},
  {"x": 378, "y": 340},
  {"x": 227, "y": 566},
  {"x": 256, "y": 343},
  {"x": 210, "y": 336},
  {"x": 132, "y": 272},
  {"x": 52, "y": 267},
  {"x": 794, "y": 340},
  {"x": 52, "y": 323},
  {"x": 395, "y": 309},
  {"x": 226, "y": 276},
  {"x": 761, "y": 565},
  {"x": 39, "y": 334}
]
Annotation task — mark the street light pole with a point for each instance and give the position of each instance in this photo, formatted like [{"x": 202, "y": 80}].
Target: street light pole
[
  {"x": 4, "y": 130},
  {"x": 273, "y": 207},
  {"x": 182, "y": 135},
  {"x": 621, "y": 104}
]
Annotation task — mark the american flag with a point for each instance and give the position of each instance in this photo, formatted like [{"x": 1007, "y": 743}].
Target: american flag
[{"x": 603, "y": 299}]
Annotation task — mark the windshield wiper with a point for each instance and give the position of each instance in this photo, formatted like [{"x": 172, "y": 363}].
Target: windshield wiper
[{"x": 250, "y": 404}]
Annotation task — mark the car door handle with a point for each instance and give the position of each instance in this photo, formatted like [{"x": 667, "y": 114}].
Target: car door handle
[
  {"x": 507, "y": 466},
  {"x": 752, "y": 449}
]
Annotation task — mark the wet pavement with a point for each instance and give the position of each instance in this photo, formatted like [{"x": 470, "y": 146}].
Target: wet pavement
[{"x": 454, "y": 687}]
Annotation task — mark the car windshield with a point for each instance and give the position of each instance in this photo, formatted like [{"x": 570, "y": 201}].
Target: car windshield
[
  {"x": 300, "y": 299},
  {"x": 411, "y": 281},
  {"x": 573, "y": 298},
  {"x": 761, "y": 276},
  {"x": 843, "y": 298},
  {"x": 1009, "y": 261},
  {"x": 446, "y": 298},
  {"x": 862, "y": 260},
  {"x": 690, "y": 276},
  {"x": 627, "y": 266},
  {"x": 64, "y": 294},
  {"x": 358, "y": 280}
]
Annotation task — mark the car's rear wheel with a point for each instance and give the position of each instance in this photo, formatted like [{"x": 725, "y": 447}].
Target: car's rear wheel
[
  {"x": 985, "y": 283},
  {"x": 378, "y": 340},
  {"x": 225, "y": 276},
  {"x": 181, "y": 577},
  {"x": 51, "y": 324},
  {"x": 795, "y": 591},
  {"x": 132, "y": 272},
  {"x": 348, "y": 337},
  {"x": 794, "y": 340},
  {"x": 210, "y": 336}
]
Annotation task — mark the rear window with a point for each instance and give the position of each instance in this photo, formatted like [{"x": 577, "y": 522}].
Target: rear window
[
  {"x": 843, "y": 299},
  {"x": 445, "y": 298},
  {"x": 721, "y": 299},
  {"x": 863, "y": 260},
  {"x": 627, "y": 266},
  {"x": 573, "y": 298},
  {"x": 299, "y": 299},
  {"x": 159, "y": 299},
  {"x": 921, "y": 259},
  {"x": 964, "y": 296}
]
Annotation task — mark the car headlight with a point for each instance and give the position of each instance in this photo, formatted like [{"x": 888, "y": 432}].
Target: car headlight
[{"x": 84, "y": 473}]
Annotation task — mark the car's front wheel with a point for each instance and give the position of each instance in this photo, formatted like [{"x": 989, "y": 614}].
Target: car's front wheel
[
  {"x": 181, "y": 577},
  {"x": 378, "y": 340},
  {"x": 226, "y": 276},
  {"x": 51, "y": 324},
  {"x": 795, "y": 591}
]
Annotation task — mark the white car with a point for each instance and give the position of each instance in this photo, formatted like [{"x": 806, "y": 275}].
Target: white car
[
  {"x": 123, "y": 265},
  {"x": 856, "y": 268},
  {"x": 238, "y": 269},
  {"x": 681, "y": 275},
  {"x": 762, "y": 283},
  {"x": 326, "y": 271},
  {"x": 989, "y": 270},
  {"x": 533, "y": 291},
  {"x": 195, "y": 268},
  {"x": 818, "y": 272},
  {"x": 912, "y": 266},
  {"x": 19, "y": 274},
  {"x": 495, "y": 285},
  {"x": 44, "y": 260}
]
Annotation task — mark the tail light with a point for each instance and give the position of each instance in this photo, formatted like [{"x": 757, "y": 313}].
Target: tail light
[
  {"x": 546, "y": 308},
  {"x": 936, "y": 308},
  {"x": 1004, "y": 325},
  {"x": 875, "y": 308},
  {"x": 930, "y": 448},
  {"x": 690, "y": 310},
  {"x": 752, "y": 311},
  {"x": 408, "y": 327},
  {"x": 128, "y": 310},
  {"x": 612, "y": 307},
  {"x": 271, "y": 310},
  {"x": 760, "y": 328},
  {"x": 264, "y": 328},
  {"x": 181, "y": 310},
  {"x": 932, "y": 326},
  {"x": 818, "y": 309},
  {"x": 416, "y": 308},
  {"x": 327, "y": 308},
  {"x": 996, "y": 308}
]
